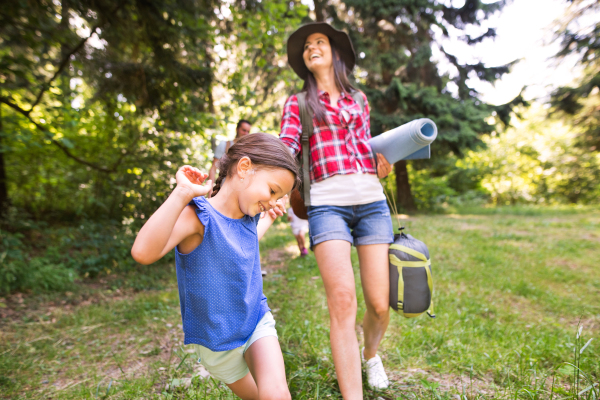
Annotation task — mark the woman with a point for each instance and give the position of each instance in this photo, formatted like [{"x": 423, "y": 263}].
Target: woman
[{"x": 347, "y": 201}]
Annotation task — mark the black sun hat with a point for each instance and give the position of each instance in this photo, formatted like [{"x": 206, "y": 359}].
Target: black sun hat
[{"x": 295, "y": 46}]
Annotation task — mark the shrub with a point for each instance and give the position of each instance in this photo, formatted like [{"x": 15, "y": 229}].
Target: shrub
[{"x": 42, "y": 257}]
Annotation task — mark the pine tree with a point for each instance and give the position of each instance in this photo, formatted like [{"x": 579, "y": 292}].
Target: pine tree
[
  {"x": 394, "y": 39},
  {"x": 581, "y": 102}
]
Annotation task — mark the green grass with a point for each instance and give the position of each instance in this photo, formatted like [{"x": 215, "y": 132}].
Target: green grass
[{"x": 511, "y": 291}]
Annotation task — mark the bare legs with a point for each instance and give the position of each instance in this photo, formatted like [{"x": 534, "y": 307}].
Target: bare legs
[
  {"x": 375, "y": 279},
  {"x": 300, "y": 239},
  {"x": 333, "y": 258},
  {"x": 266, "y": 380}
]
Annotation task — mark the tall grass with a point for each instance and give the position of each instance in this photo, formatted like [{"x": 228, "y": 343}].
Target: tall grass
[{"x": 517, "y": 304}]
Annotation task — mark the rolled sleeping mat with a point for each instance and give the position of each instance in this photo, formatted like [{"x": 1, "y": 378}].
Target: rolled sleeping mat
[
  {"x": 407, "y": 142},
  {"x": 411, "y": 280}
]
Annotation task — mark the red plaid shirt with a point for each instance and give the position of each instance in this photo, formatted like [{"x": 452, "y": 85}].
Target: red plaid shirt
[{"x": 340, "y": 148}]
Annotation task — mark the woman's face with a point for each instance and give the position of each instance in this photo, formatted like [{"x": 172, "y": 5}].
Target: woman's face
[{"x": 317, "y": 53}]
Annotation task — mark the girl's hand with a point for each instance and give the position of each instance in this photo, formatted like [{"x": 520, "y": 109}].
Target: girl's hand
[
  {"x": 383, "y": 166},
  {"x": 279, "y": 208},
  {"x": 190, "y": 179}
]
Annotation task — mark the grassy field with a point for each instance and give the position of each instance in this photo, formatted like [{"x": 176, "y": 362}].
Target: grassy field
[{"x": 513, "y": 289}]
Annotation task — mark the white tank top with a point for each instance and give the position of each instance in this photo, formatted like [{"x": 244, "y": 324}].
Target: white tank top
[{"x": 346, "y": 190}]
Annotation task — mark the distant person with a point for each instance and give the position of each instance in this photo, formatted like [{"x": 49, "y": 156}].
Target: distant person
[
  {"x": 225, "y": 315},
  {"x": 299, "y": 229},
  {"x": 242, "y": 129}
]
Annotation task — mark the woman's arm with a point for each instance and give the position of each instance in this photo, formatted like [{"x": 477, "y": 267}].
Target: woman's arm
[
  {"x": 173, "y": 221},
  {"x": 291, "y": 127}
]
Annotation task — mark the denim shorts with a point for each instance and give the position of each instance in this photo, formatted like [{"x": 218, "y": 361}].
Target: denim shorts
[
  {"x": 360, "y": 225},
  {"x": 230, "y": 366}
]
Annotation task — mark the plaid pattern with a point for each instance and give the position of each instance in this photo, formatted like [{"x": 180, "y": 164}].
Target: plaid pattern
[{"x": 339, "y": 148}]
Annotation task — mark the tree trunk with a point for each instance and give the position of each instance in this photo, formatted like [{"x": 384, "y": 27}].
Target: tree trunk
[
  {"x": 3, "y": 183},
  {"x": 405, "y": 198},
  {"x": 319, "y": 13}
]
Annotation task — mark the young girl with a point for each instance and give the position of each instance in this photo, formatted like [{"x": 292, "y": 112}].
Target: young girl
[{"x": 224, "y": 311}]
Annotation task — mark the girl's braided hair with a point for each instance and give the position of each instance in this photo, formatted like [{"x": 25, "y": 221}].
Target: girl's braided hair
[{"x": 264, "y": 150}]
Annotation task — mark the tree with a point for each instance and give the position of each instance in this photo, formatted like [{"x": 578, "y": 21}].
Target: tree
[
  {"x": 71, "y": 71},
  {"x": 579, "y": 33},
  {"x": 394, "y": 40},
  {"x": 101, "y": 100}
]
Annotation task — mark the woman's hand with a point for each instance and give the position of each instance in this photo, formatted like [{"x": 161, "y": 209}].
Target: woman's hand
[
  {"x": 383, "y": 166},
  {"x": 190, "y": 179}
]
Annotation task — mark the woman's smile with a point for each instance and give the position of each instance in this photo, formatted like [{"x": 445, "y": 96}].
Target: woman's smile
[{"x": 316, "y": 51}]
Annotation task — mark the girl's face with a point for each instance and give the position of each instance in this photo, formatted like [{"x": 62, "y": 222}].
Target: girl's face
[
  {"x": 264, "y": 188},
  {"x": 317, "y": 53}
]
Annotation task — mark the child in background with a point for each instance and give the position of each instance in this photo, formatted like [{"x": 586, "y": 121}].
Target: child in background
[
  {"x": 299, "y": 229},
  {"x": 224, "y": 311}
]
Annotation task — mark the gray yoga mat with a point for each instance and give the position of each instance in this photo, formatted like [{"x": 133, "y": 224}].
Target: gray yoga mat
[{"x": 410, "y": 141}]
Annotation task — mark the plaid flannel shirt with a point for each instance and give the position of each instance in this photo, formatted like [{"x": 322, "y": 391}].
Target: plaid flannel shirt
[{"x": 340, "y": 148}]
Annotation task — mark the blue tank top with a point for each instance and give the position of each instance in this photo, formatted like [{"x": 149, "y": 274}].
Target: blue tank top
[{"x": 220, "y": 283}]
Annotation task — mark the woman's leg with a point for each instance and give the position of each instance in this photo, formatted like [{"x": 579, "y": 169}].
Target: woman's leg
[
  {"x": 333, "y": 258},
  {"x": 265, "y": 362},
  {"x": 375, "y": 278}
]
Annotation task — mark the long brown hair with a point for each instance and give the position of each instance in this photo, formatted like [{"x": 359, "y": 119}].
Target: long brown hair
[
  {"x": 264, "y": 150},
  {"x": 340, "y": 72}
]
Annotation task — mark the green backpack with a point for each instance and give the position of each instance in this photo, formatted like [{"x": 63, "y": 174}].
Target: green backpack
[{"x": 411, "y": 283}]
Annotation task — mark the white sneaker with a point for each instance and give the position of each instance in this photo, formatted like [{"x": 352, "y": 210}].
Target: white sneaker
[{"x": 376, "y": 376}]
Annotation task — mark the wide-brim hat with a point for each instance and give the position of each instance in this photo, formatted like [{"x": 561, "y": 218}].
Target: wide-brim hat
[{"x": 295, "y": 46}]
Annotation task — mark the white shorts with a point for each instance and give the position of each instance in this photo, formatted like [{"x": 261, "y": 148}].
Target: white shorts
[
  {"x": 230, "y": 366},
  {"x": 297, "y": 231}
]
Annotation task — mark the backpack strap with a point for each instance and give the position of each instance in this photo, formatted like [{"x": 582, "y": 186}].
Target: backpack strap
[
  {"x": 307, "y": 130},
  {"x": 306, "y": 119},
  {"x": 357, "y": 96}
]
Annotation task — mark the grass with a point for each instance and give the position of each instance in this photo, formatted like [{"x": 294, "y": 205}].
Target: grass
[{"x": 512, "y": 292}]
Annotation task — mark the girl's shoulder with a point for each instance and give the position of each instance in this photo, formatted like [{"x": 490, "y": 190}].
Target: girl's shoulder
[
  {"x": 202, "y": 208},
  {"x": 205, "y": 212}
]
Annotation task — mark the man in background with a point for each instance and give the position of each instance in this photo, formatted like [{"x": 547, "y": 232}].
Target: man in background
[{"x": 242, "y": 129}]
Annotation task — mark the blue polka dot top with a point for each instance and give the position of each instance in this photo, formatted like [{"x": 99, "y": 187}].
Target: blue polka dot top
[{"x": 220, "y": 284}]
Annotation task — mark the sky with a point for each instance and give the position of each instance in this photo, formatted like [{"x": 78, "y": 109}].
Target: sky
[{"x": 524, "y": 32}]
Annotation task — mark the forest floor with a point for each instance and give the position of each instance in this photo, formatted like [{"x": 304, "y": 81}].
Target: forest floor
[{"x": 512, "y": 290}]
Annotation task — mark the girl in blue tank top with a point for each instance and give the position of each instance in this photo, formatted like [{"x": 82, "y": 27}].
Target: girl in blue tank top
[{"x": 224, "y": 311}]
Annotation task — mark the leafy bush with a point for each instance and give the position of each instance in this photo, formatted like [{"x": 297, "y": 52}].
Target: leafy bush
[
  {"x": 38, "y": 256},
  {"x": 20, "y": 272},
  {"x": 537, "y": 162}
]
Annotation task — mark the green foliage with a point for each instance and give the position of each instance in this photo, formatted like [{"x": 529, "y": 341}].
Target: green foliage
[
  {"x": 101, "y": 103},
  {"x": 579, "y": 33},
  {"x": 20, "y": 272},
  {"x": 396, "y": 67},
  {"x": 97, "y": 102},
  {"x": 37, "y": 256},
  {"x": 509, "y": 303},
  {"x": 537, "y": 162}
]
